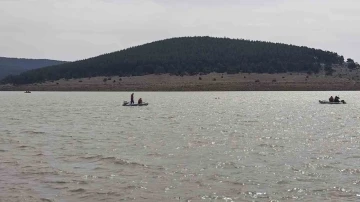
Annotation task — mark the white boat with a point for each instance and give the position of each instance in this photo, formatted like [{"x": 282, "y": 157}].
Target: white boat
[
  {"x": 327, "y": 102},
  {"x": 126, "y": 103}
]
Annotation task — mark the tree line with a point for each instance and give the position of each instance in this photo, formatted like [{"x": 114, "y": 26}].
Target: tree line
[
  {"x": 15, "y": 66},
  {"x": 189, "y": 55}
]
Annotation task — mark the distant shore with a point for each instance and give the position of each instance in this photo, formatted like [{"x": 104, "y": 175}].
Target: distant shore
[{"x": 209, "y": 82}]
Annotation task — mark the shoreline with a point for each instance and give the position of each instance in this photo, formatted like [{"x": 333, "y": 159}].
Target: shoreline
[
  {"x": 209, "y": 82},
  {"x": 294, "y": 87}
]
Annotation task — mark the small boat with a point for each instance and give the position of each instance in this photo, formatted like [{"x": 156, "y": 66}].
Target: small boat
[
  {"x": 126, "y": 103},
  {"x": 327, "y": 102},
  {"x": 27, "y": 91}
]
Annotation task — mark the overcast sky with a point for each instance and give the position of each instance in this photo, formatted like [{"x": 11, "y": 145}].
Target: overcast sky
[{"x": 79, "y": 29}]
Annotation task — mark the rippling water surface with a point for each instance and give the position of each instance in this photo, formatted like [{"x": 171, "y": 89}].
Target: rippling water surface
[{"x": 185, "y": 146}]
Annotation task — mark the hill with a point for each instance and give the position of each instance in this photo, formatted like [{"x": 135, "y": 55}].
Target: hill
[
  {"x": 190, "y": 55},
  {"x": 16, "y": 66}
]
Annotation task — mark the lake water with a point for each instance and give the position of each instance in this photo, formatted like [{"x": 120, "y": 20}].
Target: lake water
[{"x": 184, "y": 146}]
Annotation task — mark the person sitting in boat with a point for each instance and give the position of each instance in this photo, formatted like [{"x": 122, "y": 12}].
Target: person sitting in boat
[
  {"x": 331, "y": 99},
  {"x": 140, "y": 101},
  {"x": 337, "y": 99}
]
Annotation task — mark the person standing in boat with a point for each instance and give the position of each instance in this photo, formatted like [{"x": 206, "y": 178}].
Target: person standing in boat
[{"x": 132, "y": 99}]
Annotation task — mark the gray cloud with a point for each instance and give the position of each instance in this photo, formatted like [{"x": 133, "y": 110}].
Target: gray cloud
[{"x": 78, "y": 29}]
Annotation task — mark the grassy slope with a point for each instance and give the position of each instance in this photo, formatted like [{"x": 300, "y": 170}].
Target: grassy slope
[{"x": 342, "y": 79}]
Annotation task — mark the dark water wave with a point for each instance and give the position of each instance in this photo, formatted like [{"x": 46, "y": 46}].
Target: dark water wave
[{"x": 113, "y": 160}]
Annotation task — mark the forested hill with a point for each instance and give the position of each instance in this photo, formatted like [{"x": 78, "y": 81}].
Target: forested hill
[
  {"x": 189, "y": 55},
  {"x": 18, "y": 65}
]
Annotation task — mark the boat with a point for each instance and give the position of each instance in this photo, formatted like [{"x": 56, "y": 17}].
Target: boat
[
  {"x": 27, "y": 91},
  {"x": 127, "y": 104},
  {"x": 327, "y": 102}
]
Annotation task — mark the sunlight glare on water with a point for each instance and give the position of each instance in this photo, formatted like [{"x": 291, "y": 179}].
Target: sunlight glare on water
[{"x": 184, "y": 146}]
